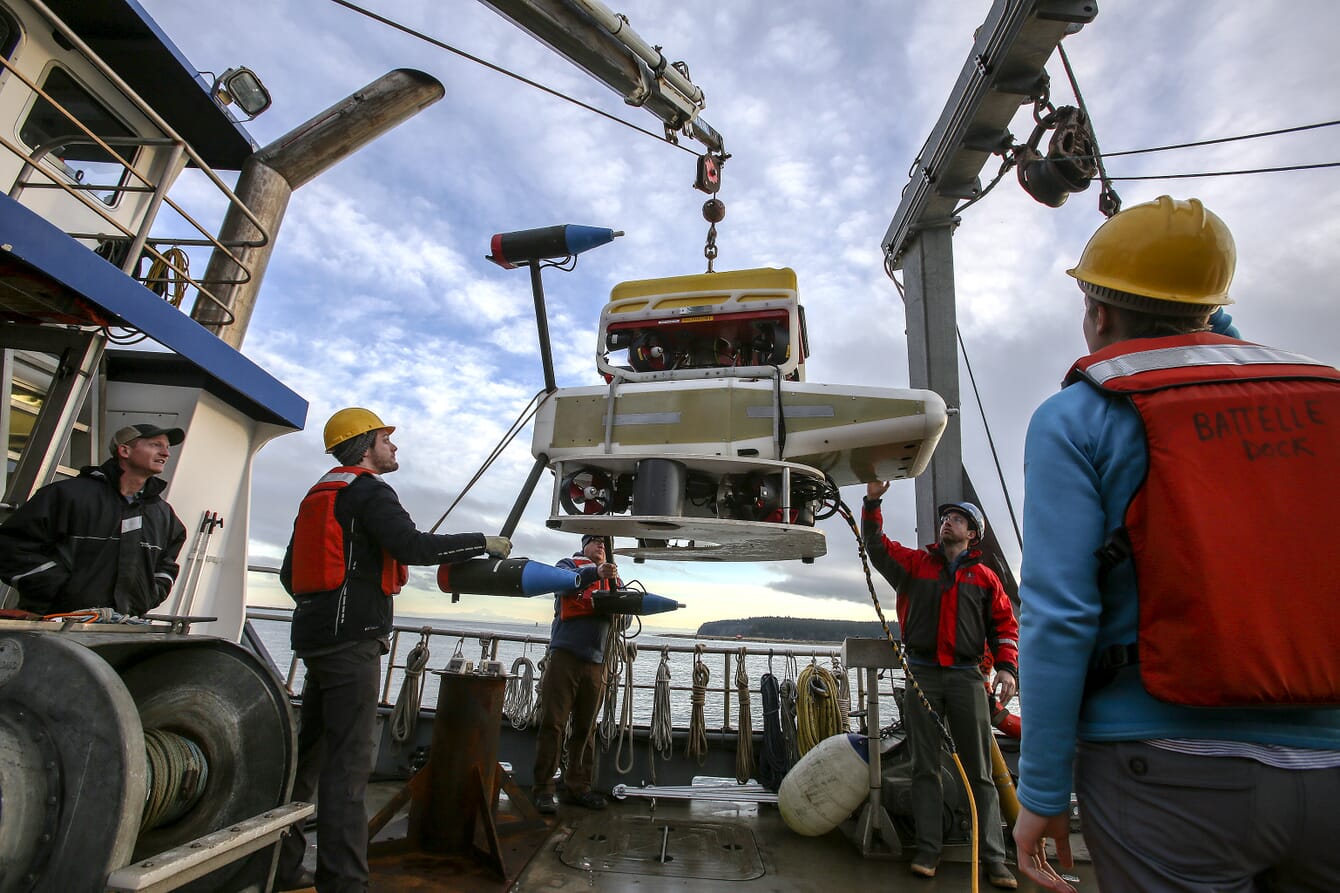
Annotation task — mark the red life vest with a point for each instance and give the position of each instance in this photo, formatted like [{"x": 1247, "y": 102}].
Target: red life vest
[
  {"x": 1244, "y": 447},
  {"x": 581, "y": 604},
  {"x": 319, "y": 560}
]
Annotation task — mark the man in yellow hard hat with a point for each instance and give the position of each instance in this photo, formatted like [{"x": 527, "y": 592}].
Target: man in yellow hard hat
[
  {"x": 1178, "y": 629},
  {"x": 351, "y": 547}
]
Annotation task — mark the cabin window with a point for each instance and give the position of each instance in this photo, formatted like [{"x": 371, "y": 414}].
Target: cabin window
[
  {"x": 88, "y": 164},
  {"x": 25, "y": 378},
  {"x": 9, "y": 34}
]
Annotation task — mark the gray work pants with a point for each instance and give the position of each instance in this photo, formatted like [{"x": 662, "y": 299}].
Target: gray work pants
[
  {"x": 336, "y": 751},
  {"x": 958, "y": 696},
  {"x": 1159, "y": 820}
]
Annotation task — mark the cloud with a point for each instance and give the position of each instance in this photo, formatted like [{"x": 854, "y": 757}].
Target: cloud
[{"x": 378, "y": 293}]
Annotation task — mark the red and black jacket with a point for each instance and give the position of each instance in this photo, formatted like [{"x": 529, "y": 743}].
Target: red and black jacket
[
  {"x": 377, "y": 538},
  {"x": 945, "y": 617}
]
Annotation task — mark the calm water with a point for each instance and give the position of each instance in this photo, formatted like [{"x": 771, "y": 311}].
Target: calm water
[{"x": 466, "y": 637}]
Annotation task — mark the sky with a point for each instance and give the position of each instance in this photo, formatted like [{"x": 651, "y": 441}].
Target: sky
[{"x": 378, "y": 293}]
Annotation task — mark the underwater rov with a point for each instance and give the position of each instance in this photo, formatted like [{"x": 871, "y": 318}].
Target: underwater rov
[
  {"x": 139, "y": 745},
  {"x": 706, "y": 442}
]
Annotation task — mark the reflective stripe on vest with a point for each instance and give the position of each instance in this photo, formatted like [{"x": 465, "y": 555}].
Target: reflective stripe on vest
[
  {"x": 1241, "y": 440},
  {"x": 319, "y": 559},
  {"x": 1238, "y": 354}
]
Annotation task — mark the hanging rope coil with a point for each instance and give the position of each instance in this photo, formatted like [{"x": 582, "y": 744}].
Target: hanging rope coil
[
  {"x": 818, "y": 714},
  {"x": 517, "y": 699},
  {"x": 625, "y": 725},
  {"x": 167, "y": 275},
  {"x": 405, "y": 716},
  {"x": 537, "y": 714},
  {"x": 661, "y": 740},
  {"x": 696, "y": 747},
  {"x": 772, "y": 762},
  {"x": 616, "y": 663},
  {"x": 744, "y": 735},
  {"x": 788, "y": 695},
  {"x": 844, "y": 692}
]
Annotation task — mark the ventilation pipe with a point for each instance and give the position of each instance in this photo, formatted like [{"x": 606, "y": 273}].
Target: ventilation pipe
[{"x": 269, "y": 177}]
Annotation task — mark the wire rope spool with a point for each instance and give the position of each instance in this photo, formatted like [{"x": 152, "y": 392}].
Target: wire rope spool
[
  {"x": 72, "y": 777},
  {"x": 176, "y": 775}
]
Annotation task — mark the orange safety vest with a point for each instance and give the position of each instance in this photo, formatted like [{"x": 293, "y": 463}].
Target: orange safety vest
[
  {"x": 1244, "y": 447},
  {"x": 581, "y": 604},
  {"x": 319, "y": 560}
]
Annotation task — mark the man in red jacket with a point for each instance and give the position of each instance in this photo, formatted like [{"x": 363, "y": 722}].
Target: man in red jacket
[{"x": 951, "y": 608}]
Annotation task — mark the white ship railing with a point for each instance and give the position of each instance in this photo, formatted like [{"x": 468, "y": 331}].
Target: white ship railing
[{"x": 721, "y": 692}]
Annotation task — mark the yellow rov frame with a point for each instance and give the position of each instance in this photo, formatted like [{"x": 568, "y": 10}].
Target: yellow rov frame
[{"x": 742, "y": 324}]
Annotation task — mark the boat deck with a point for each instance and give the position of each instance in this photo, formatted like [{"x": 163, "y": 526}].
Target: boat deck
[{"x": 708, "y": 846}]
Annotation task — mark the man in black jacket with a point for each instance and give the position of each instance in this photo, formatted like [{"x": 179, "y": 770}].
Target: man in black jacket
[
  {"x": 352, "y": 542},
  {"x": 106, "y": 538}
]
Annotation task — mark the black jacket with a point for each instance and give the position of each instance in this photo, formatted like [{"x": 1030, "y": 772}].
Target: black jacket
[
  {"x": 79, "y": 543},
  {"x": 370, "y": 514}
]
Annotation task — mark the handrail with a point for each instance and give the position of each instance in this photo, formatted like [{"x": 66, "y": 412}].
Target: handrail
[{"x": 140, "y": 241}]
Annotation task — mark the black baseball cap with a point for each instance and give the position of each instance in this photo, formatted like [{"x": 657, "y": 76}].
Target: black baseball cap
[{"x": 135, "y": 432}]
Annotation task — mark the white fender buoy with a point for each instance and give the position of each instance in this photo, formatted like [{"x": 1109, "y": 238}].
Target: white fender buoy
[{"x": 826, "y": 785}]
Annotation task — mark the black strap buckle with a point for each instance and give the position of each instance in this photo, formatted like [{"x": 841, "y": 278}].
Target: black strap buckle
[{"x": 1106, "y": 664}]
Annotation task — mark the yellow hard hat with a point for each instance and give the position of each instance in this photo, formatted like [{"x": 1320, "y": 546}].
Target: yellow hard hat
[
  {"x": 1167, "y": 249},
  {"x": 352, "y": 422}
]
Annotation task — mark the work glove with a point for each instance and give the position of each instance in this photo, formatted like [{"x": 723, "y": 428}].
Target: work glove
[{"x": 498, "y": 546}]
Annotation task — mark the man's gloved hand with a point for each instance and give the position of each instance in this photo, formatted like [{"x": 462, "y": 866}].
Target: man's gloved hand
[{"x": 498, "y": 546}]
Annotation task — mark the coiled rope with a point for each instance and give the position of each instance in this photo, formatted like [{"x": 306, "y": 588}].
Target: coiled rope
[
  {"x": 168, "y": 274},
  {"x": 696, "y": 747},
  {"x": 844, "y": 692},
  {"x": 772, "y": 762},
  {"x": 537, "y": 714},
  {"x": 405, "y": 716},
  {"x": 818, "y": 714},
  {"x": 788, "y": 695},
  {"x": 661, "y": 740},
  {"x": 744, "y": 735},
  {"x": 175, "y": 778},
  {"x": 616, "y": 663},
  {"x": 517, "y": 703},
  {"x": 625, "y": 725}
]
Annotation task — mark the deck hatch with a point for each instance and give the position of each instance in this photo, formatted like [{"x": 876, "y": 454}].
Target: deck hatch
[{"x": 721, "y": 851}]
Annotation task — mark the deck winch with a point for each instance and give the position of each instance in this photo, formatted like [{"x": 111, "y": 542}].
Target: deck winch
[{"x": 122, "y": 744}]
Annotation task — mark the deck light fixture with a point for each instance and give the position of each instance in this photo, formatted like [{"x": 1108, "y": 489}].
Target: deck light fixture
[{"x": 241, "y": 85}]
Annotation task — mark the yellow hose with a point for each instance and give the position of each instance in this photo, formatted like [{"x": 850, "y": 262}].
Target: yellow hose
[{"x": 1000, "y": 773}]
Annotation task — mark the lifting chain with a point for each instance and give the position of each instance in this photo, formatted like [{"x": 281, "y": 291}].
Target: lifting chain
[{"x": 714, "y": 211}]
